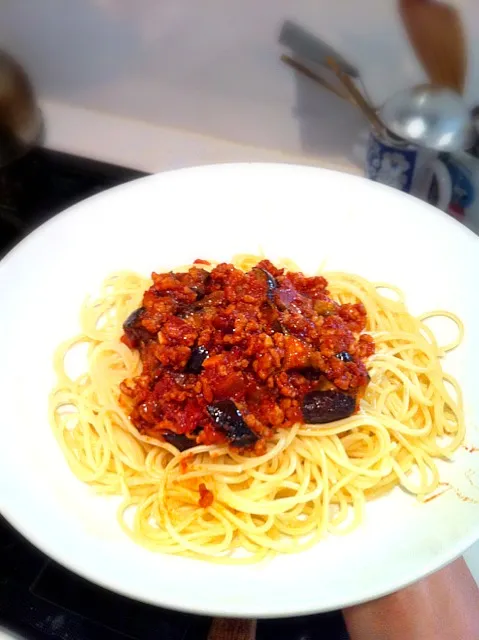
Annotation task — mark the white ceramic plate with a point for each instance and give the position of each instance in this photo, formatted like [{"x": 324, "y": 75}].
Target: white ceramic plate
[
  {"x": 306, "y": 214},
  {"x": 7, "y": 635}
]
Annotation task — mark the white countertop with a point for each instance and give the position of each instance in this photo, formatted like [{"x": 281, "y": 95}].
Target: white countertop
[{"x": 149, "y": 148}]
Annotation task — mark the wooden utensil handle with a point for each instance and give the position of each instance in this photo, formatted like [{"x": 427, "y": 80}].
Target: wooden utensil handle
[
  {"x": 435, "y": 30},
  {"x": 232, "y": 629}
]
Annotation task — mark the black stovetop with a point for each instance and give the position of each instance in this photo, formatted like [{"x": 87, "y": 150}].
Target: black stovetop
[
  {"x": 38, "y": 598},
  {"x": 45, "y": 182}
]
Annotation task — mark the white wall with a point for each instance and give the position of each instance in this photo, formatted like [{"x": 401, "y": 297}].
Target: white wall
[{"x": 212, "y": 66}]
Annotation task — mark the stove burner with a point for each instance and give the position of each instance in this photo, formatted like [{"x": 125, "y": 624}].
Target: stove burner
[
  {"x": 44, "y": 182},
  {"x": 12, "y": 228}
]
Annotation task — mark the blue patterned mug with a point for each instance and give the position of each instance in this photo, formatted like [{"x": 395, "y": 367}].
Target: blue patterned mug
[
  {"x": 463, "y": 194},
  {"x": 408, "y": 168}
]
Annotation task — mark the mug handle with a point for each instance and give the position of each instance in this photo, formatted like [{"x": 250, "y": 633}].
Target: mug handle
[{"x": 436, "y": 168}]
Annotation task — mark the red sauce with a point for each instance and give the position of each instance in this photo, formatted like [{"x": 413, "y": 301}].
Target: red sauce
[
  {"x": 184, "y": 463},
  {"x": 471, "y": 449},
  {"x": 228, "y": 335},
  {"x": 206, "y": 497},
  {"x": 435, "y": 495},
  {"x": 448, "y": 487}
]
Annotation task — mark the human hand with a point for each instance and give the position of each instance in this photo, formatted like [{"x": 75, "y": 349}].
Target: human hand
[{"x": 442, "y": 606}]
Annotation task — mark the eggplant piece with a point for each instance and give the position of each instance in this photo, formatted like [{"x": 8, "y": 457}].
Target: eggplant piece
[
  {"x": 272, "y": 286},
  {"x": 179, "y": 440},
  {"x": 271, "y": 283},
  {"x": 273, "y": 317},
  {"x": 133, "y": 328},
  {"x": 133, "y": 319},
  {"x": 226, "y": 415},
  {"x": 200, "y": 288},
  {"x": 310, "y": 373},
  {"x": 187, "y": 310},
  {"x": 278, "y": 327},
  {"x": 344, "y": 356},
  {"x": 320, "y": 407},
  {"x": 197, "y": 357}
]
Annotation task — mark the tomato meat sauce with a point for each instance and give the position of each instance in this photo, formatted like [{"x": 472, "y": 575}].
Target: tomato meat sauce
[{"x": 231, "y": 356}]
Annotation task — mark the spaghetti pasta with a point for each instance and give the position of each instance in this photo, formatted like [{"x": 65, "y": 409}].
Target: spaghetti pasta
[{"x": 311, "y": 479}]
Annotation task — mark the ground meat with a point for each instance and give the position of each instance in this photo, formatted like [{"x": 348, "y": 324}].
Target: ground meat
[{"x": 268, "y": 341}]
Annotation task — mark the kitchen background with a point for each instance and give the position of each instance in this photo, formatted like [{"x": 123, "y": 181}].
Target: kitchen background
[{"x": 208, "y": 67}]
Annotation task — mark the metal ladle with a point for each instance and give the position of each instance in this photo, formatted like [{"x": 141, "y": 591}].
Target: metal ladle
[
  {"x": 430, "y": 116},
  {"x": 21, "y": 123}
]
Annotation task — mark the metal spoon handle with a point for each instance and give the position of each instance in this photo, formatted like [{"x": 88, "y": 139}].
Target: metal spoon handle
[
  {"x": 301, "y": 68},
  {"x": 358, "y": 97},
  {"x": 309, "y": 47}
]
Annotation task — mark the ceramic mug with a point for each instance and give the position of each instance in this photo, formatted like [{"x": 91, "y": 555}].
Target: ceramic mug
[
  {"x": 408, "y": 168},
  {"x": 463, "y": 193}
]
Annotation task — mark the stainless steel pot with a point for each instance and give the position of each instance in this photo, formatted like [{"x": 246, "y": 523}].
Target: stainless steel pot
[{"x": 21, "y": 123}]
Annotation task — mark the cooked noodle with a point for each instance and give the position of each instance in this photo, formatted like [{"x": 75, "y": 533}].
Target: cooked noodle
[{"x": 312, "y": 480}]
